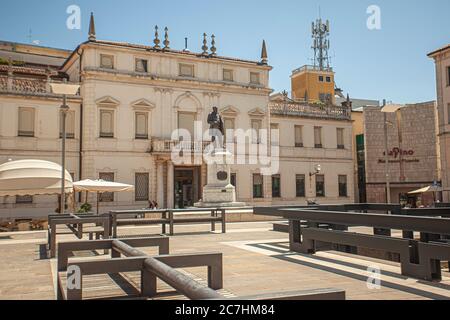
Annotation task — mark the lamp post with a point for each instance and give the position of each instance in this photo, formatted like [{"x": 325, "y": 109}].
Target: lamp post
[
  {"x": 64, "y": 89},
  {"x": 317, "y": 170},
  {"x": 387, "y": 108}
]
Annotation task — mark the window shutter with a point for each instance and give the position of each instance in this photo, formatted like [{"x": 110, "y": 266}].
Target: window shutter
[
  {"x": 141, "y": 125},
  {"x": 186, "y": 121},
  {"x": 26, "y": 121}
]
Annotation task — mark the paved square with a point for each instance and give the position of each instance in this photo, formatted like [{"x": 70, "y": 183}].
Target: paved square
[{"x": 256, "y": 260}]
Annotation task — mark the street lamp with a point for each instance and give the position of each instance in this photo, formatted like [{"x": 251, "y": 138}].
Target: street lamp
[
  {"x": 317, "y": 170},
  {"x": 64, "y": 89},
  {"x": 388, "y": 108}
]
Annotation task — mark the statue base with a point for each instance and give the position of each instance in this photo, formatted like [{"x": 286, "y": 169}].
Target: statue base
[
  {"x": 219, "y": 192},
  {"x": 219, "y": 197}
]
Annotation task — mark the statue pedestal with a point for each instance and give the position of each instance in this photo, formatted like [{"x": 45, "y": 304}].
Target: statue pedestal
[{"x": 219, "y": 192}]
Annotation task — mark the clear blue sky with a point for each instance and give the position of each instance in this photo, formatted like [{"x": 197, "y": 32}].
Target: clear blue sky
[{"x": 389, "y": 63}]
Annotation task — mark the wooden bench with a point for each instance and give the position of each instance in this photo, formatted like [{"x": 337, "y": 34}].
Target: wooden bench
[
  {"x": 418, "y": 258},
  {"x": 168, "y": 217},
  {"x": 97, "y": 226}
]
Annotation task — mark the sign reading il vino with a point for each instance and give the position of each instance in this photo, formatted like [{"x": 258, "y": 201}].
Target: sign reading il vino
[{"x": 398, "y": 154}]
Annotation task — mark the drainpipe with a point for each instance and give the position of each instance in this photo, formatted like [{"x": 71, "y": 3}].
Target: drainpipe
[{"x": 80, "y": 158}]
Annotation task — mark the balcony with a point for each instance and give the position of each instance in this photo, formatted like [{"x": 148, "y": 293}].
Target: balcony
[
  {"x": 26, "y": 85},
  {"x": 167, "y": 146},
  {"x": 302, "y": 109}
]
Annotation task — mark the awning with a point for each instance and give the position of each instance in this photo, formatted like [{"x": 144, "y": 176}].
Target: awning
[
  {"x": 426, "y": 189},
  {"x": 101, "y": 186},
  {"x": 32, "y": 177}
]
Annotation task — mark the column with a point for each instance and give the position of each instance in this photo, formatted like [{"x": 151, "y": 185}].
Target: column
[
  {"x": 170, "y": 185},
  {"x": 160, "y": 183}
]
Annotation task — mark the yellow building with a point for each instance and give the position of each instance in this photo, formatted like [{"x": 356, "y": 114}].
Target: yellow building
[{"x": 312, "y": 84}]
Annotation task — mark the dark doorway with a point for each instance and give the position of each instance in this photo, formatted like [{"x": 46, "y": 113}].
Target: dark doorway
[{"x": 187, "y": 187}]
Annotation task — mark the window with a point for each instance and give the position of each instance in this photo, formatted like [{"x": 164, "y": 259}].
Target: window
[
  {"x": 233, "y": 179},
  {"x": 186, "y": 70},
  {"x": 24, "y": 199},
  {"x": 254, "y": 78},
  {"x": 141, "y": 125},
  {"x": 274, "y": 134},
  {"x": 298, "y": 136},
  {"x": 229, "y": 127},
  {"x": 325, "y": 97},
  {"x": 256, "y": 134},
  {"x": 448, "y": 76},
  {"x": 448, "y": 112},
  {"x": 106, "y": 124},
  {"x": 340, "y": 138},
  {"x": 26, "y": 122},
  {"x": 276, "y": 186},
  {"x": 141, "y": 65},
  {"x": 227, "y": 75},
  {"x": 257, "y": 186},
  {"x": 321, "y": 78},
  {"x": 300, "y": 185},
  {"x": 186, "y": 121},
  {"x": 106, "y": 196},
  {"x": 342, "y": 180},
  {"x": 318, "y": 137},
  {"x": 106, "y": 61},
  {"x": 320, "y": 185},
  {"x": 70, "y": 126},
  {"x": 141, "y": 182},
  {"x": 328, "y": 79}
]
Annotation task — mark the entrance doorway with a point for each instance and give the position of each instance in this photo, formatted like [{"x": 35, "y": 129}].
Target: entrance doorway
[{"x": 187, "y": 186}]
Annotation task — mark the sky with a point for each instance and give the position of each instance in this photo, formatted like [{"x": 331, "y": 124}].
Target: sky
[{"x": 388, "y": 63}]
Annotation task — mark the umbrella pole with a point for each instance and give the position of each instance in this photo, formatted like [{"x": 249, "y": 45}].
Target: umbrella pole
[{"x": 98, "y": 193}]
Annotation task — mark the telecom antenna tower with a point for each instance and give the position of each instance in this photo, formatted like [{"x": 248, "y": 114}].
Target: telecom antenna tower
[{"x": 321, "y": 44}]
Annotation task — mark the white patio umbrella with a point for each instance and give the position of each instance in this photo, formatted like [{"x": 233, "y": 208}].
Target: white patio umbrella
[
  {"x": 426, "y": 189},
  {"x": 101, "y": 186},
  {"x": 32, "y": 177}
]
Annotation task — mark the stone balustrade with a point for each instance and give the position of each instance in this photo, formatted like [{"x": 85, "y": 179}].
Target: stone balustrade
[{"x": 290, "y": 108}]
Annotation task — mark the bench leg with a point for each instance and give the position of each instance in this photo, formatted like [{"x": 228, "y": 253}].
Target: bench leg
[
  {"x": 148, "y": 284},
  {"x": 53, "y": 243},
  {"x": 171, "y": 231},
  {"x": 213, "y": 223},
  {"x": 215, "y": 277},
  {"x": 224, "y": 222}
]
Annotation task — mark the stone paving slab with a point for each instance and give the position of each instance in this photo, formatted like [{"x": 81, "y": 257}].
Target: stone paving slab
[{"x": 256, "y": 260}]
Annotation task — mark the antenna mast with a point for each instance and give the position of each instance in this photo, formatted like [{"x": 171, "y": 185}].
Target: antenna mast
[{"x": 321, "y": 44}]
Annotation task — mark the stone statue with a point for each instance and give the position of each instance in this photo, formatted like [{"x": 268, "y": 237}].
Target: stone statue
[{"x": 216, "y": 126}]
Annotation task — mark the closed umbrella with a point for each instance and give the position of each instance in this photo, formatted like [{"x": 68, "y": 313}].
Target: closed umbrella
[{"x": 101, "y": 186}]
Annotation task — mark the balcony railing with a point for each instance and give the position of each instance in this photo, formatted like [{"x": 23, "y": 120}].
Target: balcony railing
[
  {"x": 25, "y": 85},
  {"x": 288, "y": 108},
  {"x": 164, "y": 146},
  {"x": 312, "y": 68}
]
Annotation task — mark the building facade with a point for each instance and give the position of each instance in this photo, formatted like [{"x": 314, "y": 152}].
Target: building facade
[
  {"x": 412, "y": 151},
  {"x": 442, "y": 64},
  {"x": 139, "y": 112},
  {"x": 312, "y": 135}
]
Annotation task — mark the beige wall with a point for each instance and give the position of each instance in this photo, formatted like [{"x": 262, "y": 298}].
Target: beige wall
[
  {"x": 442, "y": 62},
  {"x": 418, "y": 135},
  {"x": 46, "y": 145},
  {"x": 295, "y": 160}
]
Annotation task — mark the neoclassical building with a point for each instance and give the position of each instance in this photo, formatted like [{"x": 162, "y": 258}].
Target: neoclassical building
[
  {"x": 441, "y": 58},
  {"x": 133, "y": 105}
]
